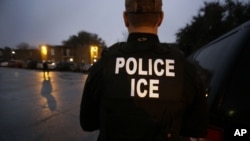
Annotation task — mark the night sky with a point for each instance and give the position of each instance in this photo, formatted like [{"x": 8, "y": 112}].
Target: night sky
[{"x": 52, "y": 21}]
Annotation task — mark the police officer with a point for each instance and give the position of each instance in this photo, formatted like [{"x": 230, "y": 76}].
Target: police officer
[
  {"x": 143, "y": 90},
  {"x": 45, "y": 68}
]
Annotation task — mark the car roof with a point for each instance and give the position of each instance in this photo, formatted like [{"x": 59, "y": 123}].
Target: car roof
[{"x": 244, "y": 26}]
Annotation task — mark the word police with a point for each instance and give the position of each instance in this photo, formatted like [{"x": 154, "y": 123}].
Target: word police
[{"x": 143, "y": 87}]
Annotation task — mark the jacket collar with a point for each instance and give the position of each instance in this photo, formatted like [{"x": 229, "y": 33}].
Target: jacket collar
[
  {"x": 143, "y": 42},
  {"x": 144, "y": 38}
]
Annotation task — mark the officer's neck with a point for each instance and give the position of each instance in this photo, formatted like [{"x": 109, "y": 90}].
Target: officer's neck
[{"x": 151, "y": 30}]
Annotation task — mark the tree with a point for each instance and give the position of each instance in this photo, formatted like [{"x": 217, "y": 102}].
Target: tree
[
  {"x": 23, "y": 46},
  {"x": 84, "y": 38},
  {"x": 213, "y": 20}
]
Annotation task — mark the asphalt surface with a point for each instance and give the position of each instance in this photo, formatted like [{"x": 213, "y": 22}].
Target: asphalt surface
[{"x": 34, "y": 107}]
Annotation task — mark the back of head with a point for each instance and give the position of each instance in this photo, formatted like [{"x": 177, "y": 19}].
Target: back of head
[
  {"x": 143, "y": 12},
  {"x": 143, "y": 6}
]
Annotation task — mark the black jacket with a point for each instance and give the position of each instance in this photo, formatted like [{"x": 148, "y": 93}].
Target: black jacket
[{"x": 143, "y": 90}]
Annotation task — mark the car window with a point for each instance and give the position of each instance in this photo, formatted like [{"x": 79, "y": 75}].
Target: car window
[
  {"x": 236, "y": 100},
  {"x": 219, "y": 55},
  {"x": 216, "y": 60}
]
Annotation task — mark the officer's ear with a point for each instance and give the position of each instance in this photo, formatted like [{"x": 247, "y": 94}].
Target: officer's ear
[
  {"x": 160, "y": 19},
  {"x": 125, "y": 18}
]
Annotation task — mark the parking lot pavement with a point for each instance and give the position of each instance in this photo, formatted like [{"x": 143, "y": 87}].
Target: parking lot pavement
[{"x": 37, "y": 107}]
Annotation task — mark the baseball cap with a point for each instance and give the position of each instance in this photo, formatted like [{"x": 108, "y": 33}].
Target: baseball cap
[{"x": 143, "y": 6}]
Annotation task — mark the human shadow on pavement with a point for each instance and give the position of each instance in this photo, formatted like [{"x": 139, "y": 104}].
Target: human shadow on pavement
[{"x": 47, "y": 93}]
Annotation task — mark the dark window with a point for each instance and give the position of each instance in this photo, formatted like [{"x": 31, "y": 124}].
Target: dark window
[{"x": 236, "y": 103}]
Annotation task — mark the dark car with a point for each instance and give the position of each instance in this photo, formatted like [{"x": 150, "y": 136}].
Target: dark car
[
  {"x": 31, "y": 64},
  {"x": 67, "y": 66},
  {"x": 224, "y": 65},
  {"x": 85, "y": 68}
]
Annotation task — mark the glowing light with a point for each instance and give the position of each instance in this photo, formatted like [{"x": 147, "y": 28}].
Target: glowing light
[
  {"x": 206, "y": 95},
  {"x": 231, "y": 112},
  {"x": 93, "y": 54},
  {"x": 44, "y": 50}
]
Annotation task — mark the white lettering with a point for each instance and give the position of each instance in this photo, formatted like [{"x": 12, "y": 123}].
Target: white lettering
[
  {"x": 169, "y": 67},
  {"x": 144, "y": 87},
  {"x": 138, "y": 87},
  {"x": 237, "y": 132},
  {"x": 120, "y": 62},
  {"x": 159, "y": 67},
  {"x": 154, "y": 88},
  {"x": 240, "y": 132},
  {"x": 150, "y": 70},
  {"x": 243, "y": 131},
  {"x": 151, "y": 89},
  {"x": 131, "y": 62},
  {"x": 158, "y": 72},
  {"x": 141, "y": 71},
  {"x": 132, "y": 91}
]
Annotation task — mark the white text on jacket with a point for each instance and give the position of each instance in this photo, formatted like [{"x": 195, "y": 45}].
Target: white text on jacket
[{"x": 156, "y": 67}]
